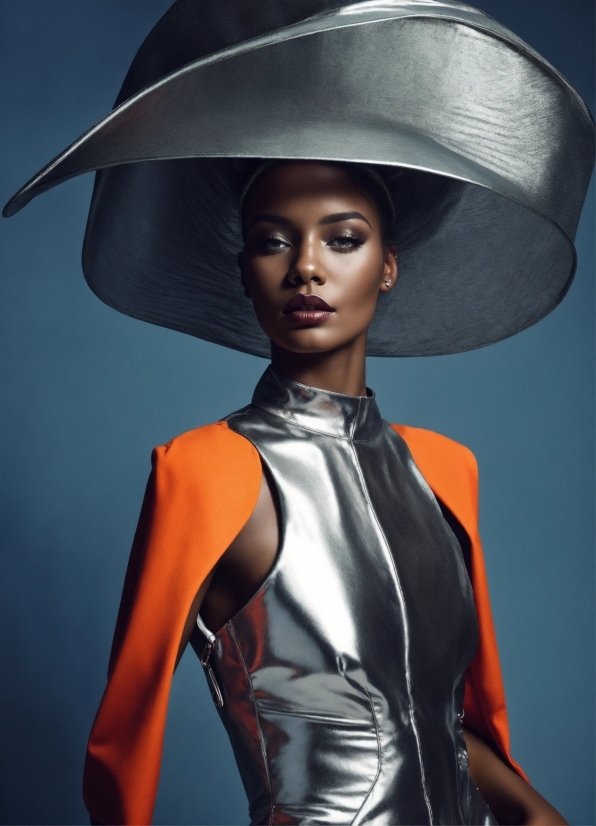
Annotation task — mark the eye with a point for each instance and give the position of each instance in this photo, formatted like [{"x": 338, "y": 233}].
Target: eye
[
  {"x": 271, "y": 244},
  {"x": 346, "y": 242}
]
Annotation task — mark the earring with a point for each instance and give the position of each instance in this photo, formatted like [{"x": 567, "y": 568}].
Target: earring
[{"x": 387, "y": 282}]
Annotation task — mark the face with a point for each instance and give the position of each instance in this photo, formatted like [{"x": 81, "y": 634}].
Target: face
[{"x": 314, "y": 262}]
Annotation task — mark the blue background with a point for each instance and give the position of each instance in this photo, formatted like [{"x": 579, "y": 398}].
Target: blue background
[{"x": 86, "y": 394}]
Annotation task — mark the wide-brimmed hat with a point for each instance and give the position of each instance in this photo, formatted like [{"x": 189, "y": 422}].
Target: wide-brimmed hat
[{"x": 499, "y": 145}]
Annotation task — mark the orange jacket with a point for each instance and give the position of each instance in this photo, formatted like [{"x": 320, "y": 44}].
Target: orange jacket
[{"x": 202, "y": 490}]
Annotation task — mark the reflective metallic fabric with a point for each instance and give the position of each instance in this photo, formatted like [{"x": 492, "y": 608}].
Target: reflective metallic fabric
[
  {"x": 341, "y": 679},
  {"x": 498, "y": 143}
]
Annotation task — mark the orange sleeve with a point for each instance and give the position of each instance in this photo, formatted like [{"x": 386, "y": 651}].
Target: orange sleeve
[
  {"x": 202, "y": 490},
  {"x": 451, "y": 471}
]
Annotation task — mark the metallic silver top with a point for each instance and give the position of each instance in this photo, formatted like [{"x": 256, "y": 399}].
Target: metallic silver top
[{"x": 340, "y": 682}]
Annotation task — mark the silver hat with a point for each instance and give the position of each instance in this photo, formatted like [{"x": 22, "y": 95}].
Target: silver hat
[{"x": 497, "y": 145}]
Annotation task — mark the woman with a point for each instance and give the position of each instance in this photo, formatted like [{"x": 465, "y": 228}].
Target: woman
[
  {"x": 343, "y": 373},
  {"x": 342, "y": 602},
  {"x": 301, "y": 220}
]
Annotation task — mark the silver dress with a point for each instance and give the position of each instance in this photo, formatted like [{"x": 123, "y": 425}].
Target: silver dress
[{"x": 340, "y": 683}]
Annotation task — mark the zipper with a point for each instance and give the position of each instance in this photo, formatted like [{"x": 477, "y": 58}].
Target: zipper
[
  {"x": 205, "y": 662},
  {"x": 214, "y": 687}
]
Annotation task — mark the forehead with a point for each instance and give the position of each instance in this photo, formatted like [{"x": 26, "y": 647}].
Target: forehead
[{"x": 305, "y": 181}]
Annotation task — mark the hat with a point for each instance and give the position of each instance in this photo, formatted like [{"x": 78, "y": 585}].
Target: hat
[{"x": 498, "y": 147}]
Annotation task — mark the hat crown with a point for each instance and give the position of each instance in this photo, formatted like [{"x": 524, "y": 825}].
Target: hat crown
[{"x": 192, "y": 29}]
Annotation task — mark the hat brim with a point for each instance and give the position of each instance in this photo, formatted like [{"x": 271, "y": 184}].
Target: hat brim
[{"x": 440, "y": 88}]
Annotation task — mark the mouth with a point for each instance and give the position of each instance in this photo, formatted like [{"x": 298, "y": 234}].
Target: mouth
[{"x": 307, "y": 309}]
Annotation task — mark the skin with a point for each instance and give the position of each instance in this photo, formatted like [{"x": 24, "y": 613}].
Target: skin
[{"x": 310, "y": 231}]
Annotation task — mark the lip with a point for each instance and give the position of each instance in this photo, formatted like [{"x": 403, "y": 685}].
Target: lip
[{"x": 307, "y": 309}]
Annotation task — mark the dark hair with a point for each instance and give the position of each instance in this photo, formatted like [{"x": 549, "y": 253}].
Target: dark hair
[{"x": 411, "y": 203}]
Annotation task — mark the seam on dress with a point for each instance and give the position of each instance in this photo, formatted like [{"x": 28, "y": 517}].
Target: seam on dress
[
  {"x": 379, "y": 753},
  {"x": 292, "y": 423},
  {"x": 406, "y": 637},
  {"x": 356, "y": 417},
  {"x": 384, "y": 425},
  {"x": 233, "y": 415},
  {"x": 261, "y": 738}
]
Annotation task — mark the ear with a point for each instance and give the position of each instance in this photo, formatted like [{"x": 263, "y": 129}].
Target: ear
[
  {"x": 240, "y": 260},
  {"x": 390, "y": 270}
]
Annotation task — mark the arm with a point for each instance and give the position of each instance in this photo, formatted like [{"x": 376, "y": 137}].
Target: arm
[
  {"x": 512, "y": 800},
  {"x": 202, "y": 491}
]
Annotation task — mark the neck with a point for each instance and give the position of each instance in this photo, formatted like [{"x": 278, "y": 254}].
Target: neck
[{"x": 338, "y": 371}]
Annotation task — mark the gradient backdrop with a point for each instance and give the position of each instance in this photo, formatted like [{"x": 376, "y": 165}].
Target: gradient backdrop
[{"x": 87, "y": 393}]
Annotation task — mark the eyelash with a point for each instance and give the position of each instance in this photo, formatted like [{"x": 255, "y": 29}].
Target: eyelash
[{"x": 354, "y": 243}]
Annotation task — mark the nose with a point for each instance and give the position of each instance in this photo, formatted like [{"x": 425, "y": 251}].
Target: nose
[{"x": 306, "y": 264}]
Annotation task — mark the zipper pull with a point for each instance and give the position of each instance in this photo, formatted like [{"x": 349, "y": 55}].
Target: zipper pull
[{"x": 213, "y": 686}]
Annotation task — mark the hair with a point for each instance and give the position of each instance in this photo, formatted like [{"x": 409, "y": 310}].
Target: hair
[{"x": 410, "y": 203}]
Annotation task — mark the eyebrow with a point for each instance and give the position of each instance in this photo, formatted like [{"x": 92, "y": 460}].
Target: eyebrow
[
  {"x": 270, "y": 218},
  {"x": 342, "y": 216},
  {"x": 328, "y": 219}
]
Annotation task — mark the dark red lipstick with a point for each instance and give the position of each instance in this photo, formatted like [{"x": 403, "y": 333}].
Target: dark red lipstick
[{"x": 307, "y": 309}]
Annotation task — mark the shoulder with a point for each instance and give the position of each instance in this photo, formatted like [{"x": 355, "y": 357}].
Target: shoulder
[
  {"x": 213, "y": 440},
  {"x": 208, "y": 457},
  {"x": 437, "y": 449},
  {"x": 449, "y": 467}
]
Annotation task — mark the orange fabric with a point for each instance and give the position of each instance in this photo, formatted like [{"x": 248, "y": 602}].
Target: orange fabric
[
  {"x": 451, "y": 471},
  {"x": 202, "y": 490}
]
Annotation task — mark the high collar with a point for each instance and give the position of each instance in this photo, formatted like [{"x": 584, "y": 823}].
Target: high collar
[{"x": 344, "y": 417}]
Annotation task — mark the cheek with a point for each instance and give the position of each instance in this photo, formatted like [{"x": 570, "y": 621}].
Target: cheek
[
  {"x": 360, "y": 276},
  {"x": 263, "y": 278}
]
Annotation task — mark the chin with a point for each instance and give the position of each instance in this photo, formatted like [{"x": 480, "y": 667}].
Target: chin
[{"x": 311, "y": 340}]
